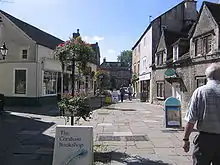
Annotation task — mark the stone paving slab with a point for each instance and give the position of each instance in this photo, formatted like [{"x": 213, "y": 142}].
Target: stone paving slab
[{"x": 164, "y": 146}]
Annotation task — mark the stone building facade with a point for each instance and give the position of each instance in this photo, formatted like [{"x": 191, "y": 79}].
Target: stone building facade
[
  {"x": 181, "y": 15},
  {"x": 120, "y": 73},
  {"x": 184, "y": 71}
]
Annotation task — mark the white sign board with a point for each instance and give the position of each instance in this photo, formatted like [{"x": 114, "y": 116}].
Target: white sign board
[
  {"x": 115, "y": 96},
  {"x": 73, "y": 145}
]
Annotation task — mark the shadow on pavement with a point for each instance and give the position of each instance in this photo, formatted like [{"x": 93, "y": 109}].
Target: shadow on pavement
[
  {"x": 124, "y": 158},
  {"x": 22, "y": 141},
  {"x": 48, "y": 110}
]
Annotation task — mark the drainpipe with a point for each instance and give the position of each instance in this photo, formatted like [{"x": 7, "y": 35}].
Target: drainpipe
[{"x": 37, "y": 91}]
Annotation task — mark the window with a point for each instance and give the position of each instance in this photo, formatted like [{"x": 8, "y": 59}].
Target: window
[
  {"x": 160, "y": 58},
  {"x": 203, "y": 45},
  {"x": 24, "y": 54},
  {"x": 20, "y": 81},
  {"x": 135, "y": 68},
  {"x": 175, "y": 53},
  {"x": 138, "y": 68},
  {"x": 144, "y": 41},
  {"x": 160, "y": 89},
  {"x": 207, "y": 44},
  {"x": 200, "y": 81},
  {"x": 196, "y": 47},
  {"x": 144, "y": 64},
  {"x": 139, "y": 48},
  {"x": 49, "y": 83}
]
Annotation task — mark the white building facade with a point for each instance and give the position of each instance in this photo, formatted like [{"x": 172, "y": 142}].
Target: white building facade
[
  {"x": 145, "y": 64},
  {"x": 30, "y": 75}
]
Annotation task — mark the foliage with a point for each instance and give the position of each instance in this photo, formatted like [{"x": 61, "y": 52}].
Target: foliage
[
  {"x": 74, "y": 49},
  {"x": 125, "y": 57},
  {"x": 77, "y": 106},
  {"x": 104, "y": 81}
]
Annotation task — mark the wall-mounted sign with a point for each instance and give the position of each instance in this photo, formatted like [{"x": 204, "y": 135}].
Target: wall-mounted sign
[
  {"x": 73, "y": 145},
  {"x": 173, "y": 113}
]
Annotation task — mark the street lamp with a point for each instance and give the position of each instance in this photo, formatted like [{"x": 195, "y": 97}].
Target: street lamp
[
  {"x": 101, "y": 76},
  {"x": 4, "y": 51}
]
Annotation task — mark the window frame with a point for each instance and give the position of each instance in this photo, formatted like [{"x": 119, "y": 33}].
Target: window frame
[
  {"x": 207, "y": 44},
  {"x": 14, "y": 82},
  {"x": 45, "y": 95},
  {"x": 160, "y": 56},
  {"x": 175, "y": 50},
  {"x": 161, "y": 92},
  {"x": 21, "y": 52},
  {"x": 197, "y": 78}
]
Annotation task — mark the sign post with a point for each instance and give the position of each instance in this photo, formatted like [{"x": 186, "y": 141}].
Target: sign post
[
  {"x": 73, "y": 145},
  {"x": 173, "y": 117}
]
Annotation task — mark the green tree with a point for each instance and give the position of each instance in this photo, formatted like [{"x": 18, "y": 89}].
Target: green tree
[{"x": 125, "y": 57}]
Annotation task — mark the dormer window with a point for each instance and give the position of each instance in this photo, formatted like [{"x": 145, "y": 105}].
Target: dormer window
[
  {"x": 175, "y": 53},
  {"x": 207, "y": 44},
  {"x": 203, "y": 45},
  {"x": 160, "y": 58}
]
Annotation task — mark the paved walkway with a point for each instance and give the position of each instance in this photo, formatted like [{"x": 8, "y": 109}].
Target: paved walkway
[
  {"x": 129, "y": 133},
  {"x": 137, "y": 129}
]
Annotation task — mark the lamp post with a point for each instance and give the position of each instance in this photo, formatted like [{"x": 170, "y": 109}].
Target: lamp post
[
  {"x": 4, "y": 51},
  {"x": 101, "y": 76}
]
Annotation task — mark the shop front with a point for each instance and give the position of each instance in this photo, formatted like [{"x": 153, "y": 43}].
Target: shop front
[{"x": 145, "y": 87}]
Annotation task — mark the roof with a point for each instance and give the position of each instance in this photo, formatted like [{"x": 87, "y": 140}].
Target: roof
[
  {"x": 171, "y": 37},
  {"x": 151, "y": 24},
  {"x": 214, "y": 8},
  {"x": 41, "y": 37},
  {"x": 113, "y": 65}
]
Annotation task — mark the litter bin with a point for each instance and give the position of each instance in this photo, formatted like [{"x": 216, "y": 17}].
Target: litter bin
[
  {"x": 2, "y": 102},
  {"x": 172, "y": 107}
]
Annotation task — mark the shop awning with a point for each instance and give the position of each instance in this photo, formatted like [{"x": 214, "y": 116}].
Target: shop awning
[
  {"x": 170, "y": 73},
  {"x": 171, "y": 76}
]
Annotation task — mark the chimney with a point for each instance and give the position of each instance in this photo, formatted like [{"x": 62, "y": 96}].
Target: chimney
[
  {"x": 77, "y": 34},
  {"x": 104, "y": 60}
]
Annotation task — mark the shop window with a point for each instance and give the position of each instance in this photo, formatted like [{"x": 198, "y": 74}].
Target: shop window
[
  {"x": 200, "y": 81},
  {"x": 49, "y": 83},
  {"x": 160, "y": 89},
  {"x": 20, "y": 81}
]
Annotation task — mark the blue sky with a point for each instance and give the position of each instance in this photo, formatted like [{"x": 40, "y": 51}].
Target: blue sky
[{"x": 115, "y": 24}]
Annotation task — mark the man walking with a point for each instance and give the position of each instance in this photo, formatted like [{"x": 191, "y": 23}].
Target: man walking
[
  {"x": 122, "y": 92},
  {"x": 204, "y": 108}
]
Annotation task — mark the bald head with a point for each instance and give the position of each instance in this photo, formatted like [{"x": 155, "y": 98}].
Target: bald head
[{"x": 213, "y": 72}]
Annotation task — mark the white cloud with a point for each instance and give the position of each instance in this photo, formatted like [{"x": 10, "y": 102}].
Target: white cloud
[
  {"x": 92, "y": 39},
  {"x": 111, "y": 51}
]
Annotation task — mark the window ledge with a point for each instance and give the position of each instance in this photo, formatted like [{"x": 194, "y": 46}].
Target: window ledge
[{"x": 160, "y": 98}]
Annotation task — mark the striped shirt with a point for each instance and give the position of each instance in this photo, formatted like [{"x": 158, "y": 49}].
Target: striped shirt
[{"x": 204, "y": 107}]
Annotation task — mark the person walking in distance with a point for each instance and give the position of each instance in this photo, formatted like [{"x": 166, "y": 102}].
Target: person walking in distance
[
  {"x": 204, "y": 108},
  {"x": 122, "y": 91},
  {"x": 130, "y": 91}
]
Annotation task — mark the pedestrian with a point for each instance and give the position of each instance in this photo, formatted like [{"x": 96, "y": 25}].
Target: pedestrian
[
  {"x": 204, "y": 108},
  {"x": 122, "y": 92},
  {"x": 130, "y": 91}
]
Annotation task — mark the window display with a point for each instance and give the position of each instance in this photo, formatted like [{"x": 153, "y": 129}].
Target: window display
[{"x": 49, "y": 83}]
